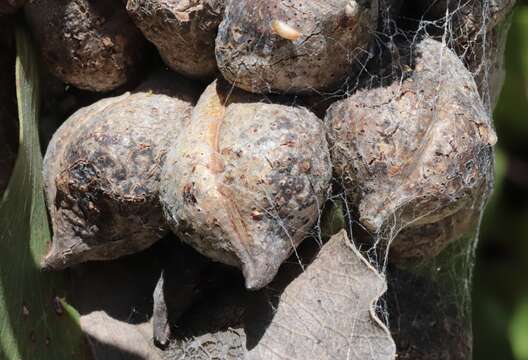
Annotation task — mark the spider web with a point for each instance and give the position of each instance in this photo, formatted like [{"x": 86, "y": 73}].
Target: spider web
[{"x": 428, "y": 303}]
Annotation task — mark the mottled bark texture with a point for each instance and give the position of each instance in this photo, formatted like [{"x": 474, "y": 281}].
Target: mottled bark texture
[
  {"x": 92, "y": 45},
  {"x": 245, "y": 185},
  {"x": 294, "y": 46},
  {"x": 415, "y": 156},
  {"x": 101, "y": 174},
  {"x": 184, "y": 32},
  {"x": 8, "y": 105}
]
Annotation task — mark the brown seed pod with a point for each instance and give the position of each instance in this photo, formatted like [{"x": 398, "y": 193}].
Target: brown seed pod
[
  {"x": 92, "y": 45},
  {"x": 415, "y": 154},
  {"x": 290, "y": 46},
  {"x": 245, "y": 185},
  {"x": 184, "y": 32},
  {"x": 101, "y": 175}
]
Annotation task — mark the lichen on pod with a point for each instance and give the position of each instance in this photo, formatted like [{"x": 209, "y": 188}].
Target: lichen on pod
[
  {"x": 92, "y": 45},
  {"x": 294, "y": 46},
  {"x": 246, "y": 184},
  {"x": 101, "y": 173},
  {"x": 184, "y": 32},
  {"x": 414, "y": 156}
]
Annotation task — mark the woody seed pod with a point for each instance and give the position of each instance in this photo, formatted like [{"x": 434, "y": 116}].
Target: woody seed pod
[
  {"x": 184, "y": 32},
  {"x": 92, "y": 45},
  {"x": 290, "y": 46},
  {"x": 246, "y": 183},
  {"x": 101, "y": 174},
  {"x": 416, "y": 154}
]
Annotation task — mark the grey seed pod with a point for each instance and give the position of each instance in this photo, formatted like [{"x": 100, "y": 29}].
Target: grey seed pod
[
  {"x": 184, "y": 32},
  {"x": 416, "y": 152},
  {"x": 101, "y": 175},
  {"x": 291, "y": 46},
  {"x": 92, "y": 45},
  {"x": 246, "y": 184}
]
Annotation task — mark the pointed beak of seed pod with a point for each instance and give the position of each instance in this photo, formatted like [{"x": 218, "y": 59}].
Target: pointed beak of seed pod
[
  {"x": 260, "y": 271},
  {"x": 57, "y": 258},
  {"x": 52, "y": 261}
]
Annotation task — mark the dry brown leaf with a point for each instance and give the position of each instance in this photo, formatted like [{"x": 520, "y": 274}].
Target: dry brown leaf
[{"x": 328, "y": 312}]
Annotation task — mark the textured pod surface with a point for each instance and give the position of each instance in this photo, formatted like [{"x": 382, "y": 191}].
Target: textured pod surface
[
  {"x": 92, "y": 45},
  {"x": 293, "y": 46},
  {"x": 416, "y": 152},
  {"x": 245, "y": 185},
  {"x": 101, "y": 174},
  {"x": 184, "y": 32}
]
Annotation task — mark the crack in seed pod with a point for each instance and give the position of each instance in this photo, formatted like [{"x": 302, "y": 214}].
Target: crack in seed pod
[{"x": 254, "y": 197}]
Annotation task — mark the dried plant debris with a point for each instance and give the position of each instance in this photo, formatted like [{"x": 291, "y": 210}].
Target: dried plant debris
[
  {"x": 179, "y": 285},
  {"x": 213, "y": 328},
  {"x": 325, "y": 312},
  {"x": 293, "y": 46},
  {"x": 246, "y": 183},
  {"x": 184, "y": 32},
  {"x": 92, "y": 45},
  {"x": 101, "y": 174},
  {"x": 113, "y": 301},
  {"x": 416, "y": 153},
  {"x": 328, "y": 312}
]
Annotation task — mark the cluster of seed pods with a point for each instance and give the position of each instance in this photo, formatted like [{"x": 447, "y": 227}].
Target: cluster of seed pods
[{"x": 239, "y": 173}]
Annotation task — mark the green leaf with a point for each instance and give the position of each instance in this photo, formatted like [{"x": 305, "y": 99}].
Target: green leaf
[
  {"x": 332, "y": 220},
  {"x": 35, "y": 321},
  {"x": 519, "y": 331}
]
